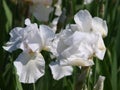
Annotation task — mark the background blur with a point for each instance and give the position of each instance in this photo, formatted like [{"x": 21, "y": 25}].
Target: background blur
[{"x": 13, "y": 14}]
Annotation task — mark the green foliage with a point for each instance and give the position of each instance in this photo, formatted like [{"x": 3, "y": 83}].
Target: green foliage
[{"x": 109, "y": 67}]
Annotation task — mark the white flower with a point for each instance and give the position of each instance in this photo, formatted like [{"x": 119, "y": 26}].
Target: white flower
[
  {"x": 30, "y": 37},
  {"x": 59, "y": 71},
  {"x": 30, "y": 67},
  {"x": 41, "y": 9},
  {"x": 80, "y": 42},
  {"x": 68, "y": 55},
  {"x": 32, "y": 40}
]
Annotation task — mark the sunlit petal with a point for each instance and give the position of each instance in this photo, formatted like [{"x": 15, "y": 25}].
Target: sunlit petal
[
  {"x": 59, "y": 71},
  {"x": 30, "y": 67},
  {"x": 15, "y": 39},
  {"x": 84, "y": 20},
  {"x": 99, "y": 25},
  {"x": 47, "y": 35}
]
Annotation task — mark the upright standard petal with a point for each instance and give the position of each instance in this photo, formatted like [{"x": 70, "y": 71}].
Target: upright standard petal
[
  {"x": 99, "y": 25},
  {"x": 47, "y": 35},
  {"x": 33, "y": 39},
  {"x": 59, "y": 71},
  {"x": 24, "y": 38},
  {"x": 84, "y": 20},
  {"x": 62, "y": 37},
  {"x": 30, "y": 67}
]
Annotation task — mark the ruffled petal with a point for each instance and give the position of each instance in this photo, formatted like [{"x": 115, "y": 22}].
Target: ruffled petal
[
  {"x": 84, "y": 20},
  {"x": 59, "y": 71},
  {"x": 99, "y": 25},
  {"x": 15, "y": 40},
  {"x": 77, "y": 37},
  {"x": 30, "y": 67}
]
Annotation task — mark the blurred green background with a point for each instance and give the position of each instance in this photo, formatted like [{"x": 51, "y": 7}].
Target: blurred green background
[{"x": 12, "y": 14}]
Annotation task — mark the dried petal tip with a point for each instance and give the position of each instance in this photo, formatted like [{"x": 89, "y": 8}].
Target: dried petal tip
[{"x": 100, "y": 83}]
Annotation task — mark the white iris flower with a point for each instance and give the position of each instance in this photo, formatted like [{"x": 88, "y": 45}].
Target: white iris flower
[
  {"x": 79, "y": 43},
  {"x": 30, "y": 63}
]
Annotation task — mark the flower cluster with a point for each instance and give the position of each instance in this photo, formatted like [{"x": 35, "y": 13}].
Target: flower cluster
[{"x": 76, "y": 45}]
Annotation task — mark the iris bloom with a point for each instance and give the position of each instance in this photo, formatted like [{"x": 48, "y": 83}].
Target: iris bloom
[
  {"x": 79, "y": 43},
  {"x": 30, "y": 63}
]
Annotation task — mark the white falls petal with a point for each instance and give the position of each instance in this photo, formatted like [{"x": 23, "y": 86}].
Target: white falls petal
[
  {"x": 59, "y": 71},
  {"x": 30, "y": 67},
  {"x": 99, "y": 25},
  {"x": 84, "y": 20}
]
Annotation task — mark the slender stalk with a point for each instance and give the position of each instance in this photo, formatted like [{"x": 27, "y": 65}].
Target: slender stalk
[{"x": 80, "y": 83}]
